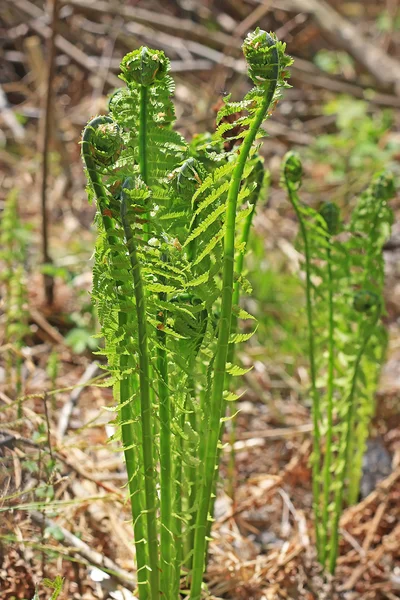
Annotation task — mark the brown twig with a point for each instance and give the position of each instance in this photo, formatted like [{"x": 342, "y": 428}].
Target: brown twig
[
  {"x": 91, "y": 371},
  {"x": 94, "y": 558},
  {"x": 48, "y": 279}
]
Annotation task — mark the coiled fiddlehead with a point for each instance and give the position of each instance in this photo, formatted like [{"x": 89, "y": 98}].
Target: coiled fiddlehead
[
  {"x": 262, "y": 56},
  {"x": 144, "y": 66},
  {"x": 101, "y": 145},
  {"x": 329, "y": 211}
]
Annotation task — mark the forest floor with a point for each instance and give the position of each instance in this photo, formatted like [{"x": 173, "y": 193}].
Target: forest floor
[{"x": 63, "y": 500}]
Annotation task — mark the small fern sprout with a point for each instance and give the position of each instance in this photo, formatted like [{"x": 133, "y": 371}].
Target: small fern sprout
[
  {"x": 365, "y": 300},
  {"x": 383, "y": 186},
  {"x": 329, "y": 211},
  {"x": 104, "y": 140},
  {"x": 292, "y": 173},
  {"x": 346, "y": 323},
  {"x": 292, "y": 170},
  {"x": 188, "y": 177},
  {"x": 144, "y": 66},
  {"x": 266, "y": 58}
]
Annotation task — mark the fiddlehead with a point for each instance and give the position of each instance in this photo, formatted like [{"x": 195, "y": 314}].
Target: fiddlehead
[
  {"x": 101, "y": 145},
  {"x": 144, "y": 67}
]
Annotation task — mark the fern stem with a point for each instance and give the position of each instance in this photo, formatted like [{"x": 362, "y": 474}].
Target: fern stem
[
  {"x": 343, "y": 457},
  {"x": 326, "y": 473},
  {"x": 216, "y": 401},
  {"x": 142, "y": 142},
  {"x": 178, "y": 538},
  {"x": 165, "y": 455},
  {"x": 134, "y": 480},
  {"x": 316, "y": 408},
  {"x": 235, "y": 301},
  {"x": 191, "y": 470},
  {"x": 146, "y": 409}
]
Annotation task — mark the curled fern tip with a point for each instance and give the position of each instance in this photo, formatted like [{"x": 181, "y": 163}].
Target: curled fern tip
[
  {"x": 144, "y": 66},
  {"x": 329, "y": 211},
  {"x": 104, "y": 139},
  {"x": 292, "y": 169},
  {"x": 365, "y": 300}
]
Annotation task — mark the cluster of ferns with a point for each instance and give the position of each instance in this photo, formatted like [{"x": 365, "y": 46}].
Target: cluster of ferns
[
  {"x": 173, "y": 223},
  {"x": 344, "y": 278}
]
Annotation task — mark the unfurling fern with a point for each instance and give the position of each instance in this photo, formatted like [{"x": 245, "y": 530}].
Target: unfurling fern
[
  {"x": 344, "y": 302},
  {"x": 173, "y": 221}
]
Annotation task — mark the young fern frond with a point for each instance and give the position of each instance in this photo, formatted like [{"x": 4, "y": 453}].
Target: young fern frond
[
  {"x": 267, "y": 63},
  {"x": 127, "y": 196},
  {"x": 344, "y": 297},
  {"x": 292, "y": 173}
]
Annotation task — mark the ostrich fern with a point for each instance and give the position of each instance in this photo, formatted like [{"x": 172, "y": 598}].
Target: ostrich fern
[
  {"x": 173, "y": 221},
  {"x": 344, "y": 276}
]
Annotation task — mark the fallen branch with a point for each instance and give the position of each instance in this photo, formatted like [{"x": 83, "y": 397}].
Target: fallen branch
[
  {"x": 94, "y": 558},
  {"x": 37, "y": 24},
  {"x": 66, "y": 411}
]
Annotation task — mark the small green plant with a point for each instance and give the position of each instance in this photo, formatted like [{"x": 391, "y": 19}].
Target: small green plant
[
  {"x": 344, "y": 276},
  {"x": 360, "y": 146},
  {"x": 56, "y": 585},
  {"x": 173, "y": 221},
  {"x": 13, "y": 251}
]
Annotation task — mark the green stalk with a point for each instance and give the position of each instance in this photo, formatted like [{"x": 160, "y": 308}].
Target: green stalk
[
  {"x": 326, "y": 473},
  {"x": 316, "y": 409},
  {"x": 142, "y": 141},
  {"x": 163, "y": 391},
  {"x": 235, "y": 301},
  {"x": 191, "y": 471},
  {"x": 344, "y": 457},
  {"x": 165, "y": 459},
  {"x": 216, "y": 402},
  {"x": 145, "y": 407},
  {"x": 178, "y": 538},
  {"x": 132, "y": 466},
  {"x": 125, "y": 391}
]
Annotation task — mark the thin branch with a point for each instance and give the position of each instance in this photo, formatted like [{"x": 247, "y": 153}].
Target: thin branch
[{"x": 48, "y": 280}]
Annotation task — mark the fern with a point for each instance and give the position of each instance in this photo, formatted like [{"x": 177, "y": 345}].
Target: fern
[
  {"x": 173, "y": 222},
  {"x": 344, "y": 302}
]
